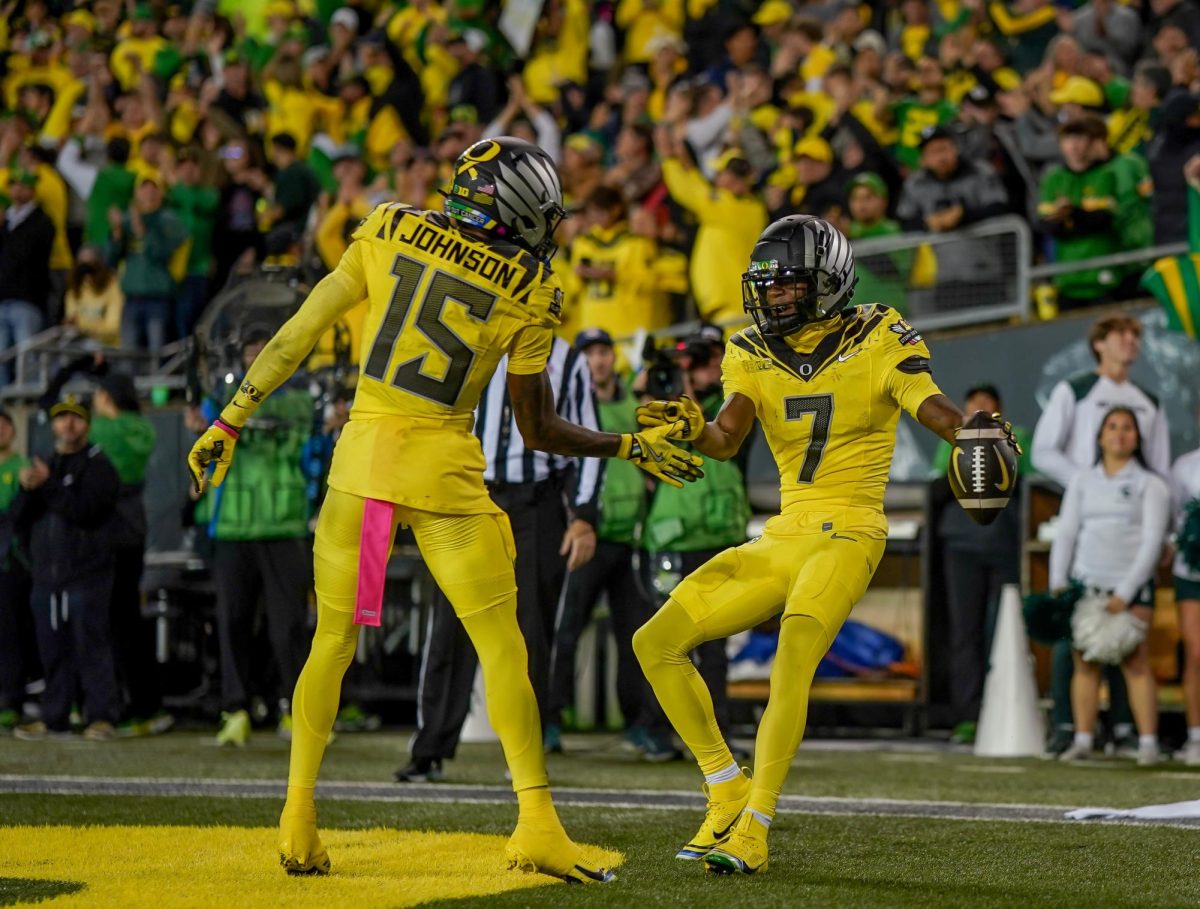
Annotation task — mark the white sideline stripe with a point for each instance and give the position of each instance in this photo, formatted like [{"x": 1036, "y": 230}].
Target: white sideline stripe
[{"x": 593, "y": 798}]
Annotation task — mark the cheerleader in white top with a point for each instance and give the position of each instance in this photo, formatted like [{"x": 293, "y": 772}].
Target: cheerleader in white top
[
  {"x": 1111, "y": 531},
  {"x": 1185, "y": 498}
]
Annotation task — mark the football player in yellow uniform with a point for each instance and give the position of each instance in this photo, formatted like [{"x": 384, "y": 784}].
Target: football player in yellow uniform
[
  {"x": 827, "y": 382},
  {"x": 449, "y": 294}
]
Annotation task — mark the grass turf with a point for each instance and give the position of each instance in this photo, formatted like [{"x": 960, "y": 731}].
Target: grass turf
[
  {"x": 594, "y": 761},
  {"x": 816, "y": 861}
]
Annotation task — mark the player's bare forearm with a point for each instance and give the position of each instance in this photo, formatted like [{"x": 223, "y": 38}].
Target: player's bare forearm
[
  {"x": 723, "y": 437},
  {"x": 542, "y": 428},
  {"x": 940, "y": 415}
]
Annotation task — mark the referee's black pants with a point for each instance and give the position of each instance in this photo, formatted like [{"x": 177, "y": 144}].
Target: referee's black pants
[
  {"x": 538, "y": 519},
  {"x": 18, "y": 647},
  {"x": 611, "y": 571}
]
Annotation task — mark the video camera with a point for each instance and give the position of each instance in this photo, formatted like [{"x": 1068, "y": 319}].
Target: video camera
[{"x": 664, "y": 365}]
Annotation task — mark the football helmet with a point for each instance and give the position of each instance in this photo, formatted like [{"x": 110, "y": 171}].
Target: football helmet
[
  {"x": 808, "y": 255},
  {"x": 508, "y": 186}
]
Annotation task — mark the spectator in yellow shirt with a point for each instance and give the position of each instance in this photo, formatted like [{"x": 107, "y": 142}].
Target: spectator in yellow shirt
[
  {"x": 730, "y": 217},
  {"x": 134, "y": 55},
  {"x": 612, "y": 279},
  {"x": 645, "y": 20},
  {"x": 342, "y": 212},
  {"x": 94, "y": 299}
]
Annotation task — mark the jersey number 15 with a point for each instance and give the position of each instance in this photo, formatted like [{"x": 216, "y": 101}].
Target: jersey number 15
[{"x": 441, "y": 289}]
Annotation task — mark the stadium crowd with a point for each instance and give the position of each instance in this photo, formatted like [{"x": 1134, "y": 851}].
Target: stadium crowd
[{"x": 153, "y": 154}]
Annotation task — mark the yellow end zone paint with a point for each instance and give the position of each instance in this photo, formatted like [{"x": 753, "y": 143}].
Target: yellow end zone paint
[{"x": 166, "y": 867}]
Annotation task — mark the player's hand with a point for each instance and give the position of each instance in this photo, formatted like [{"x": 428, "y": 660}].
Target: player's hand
[
  {"x": 684, "y": 416},
  {"x": 652, "y": 451},
  {"x": 578, "y": 544},
  {"x": 214, "y": 447},
  {"x": 1008, "y": 431},
  {"x": 1115, "y": 604}
]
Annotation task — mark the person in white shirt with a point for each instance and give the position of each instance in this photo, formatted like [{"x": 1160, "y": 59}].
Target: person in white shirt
[
  {"x": 1185, "y": 487},
  {"x": 1064, "y": 440},
  {"x": 1111, "y": 531},
  {"x": 1064, "y": 443}
]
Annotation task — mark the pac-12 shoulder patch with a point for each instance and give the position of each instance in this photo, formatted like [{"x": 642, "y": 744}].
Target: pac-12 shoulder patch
[{"x": 908, "y": 334}]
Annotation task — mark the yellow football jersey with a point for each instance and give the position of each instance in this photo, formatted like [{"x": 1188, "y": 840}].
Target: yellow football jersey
[
  {"x": 828, "y": 398},
  {"x": 443, "y": 309}
]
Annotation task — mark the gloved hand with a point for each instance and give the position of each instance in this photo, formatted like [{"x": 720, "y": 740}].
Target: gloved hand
[
  {"x": 214, "y": 447},
  {"x": 652, "y": 451},
  {"x": 1008, "y": 431},
  {"x": 685, "y": 417}
]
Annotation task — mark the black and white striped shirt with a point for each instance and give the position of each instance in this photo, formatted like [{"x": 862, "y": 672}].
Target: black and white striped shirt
[{"x": 509, "y": 461}]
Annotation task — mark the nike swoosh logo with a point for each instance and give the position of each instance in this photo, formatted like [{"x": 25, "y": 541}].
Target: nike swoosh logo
[
  {"x": 842, "y": 358},
  {"x": 1007, "y": 481},
  {"x": 654, "y": 454},
  {"x": 835, "y": 536},
  {"x": 954, "y": 466},
  {"x": 721, "y": 834}
]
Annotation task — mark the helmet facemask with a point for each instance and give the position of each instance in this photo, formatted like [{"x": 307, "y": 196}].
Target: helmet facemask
[{"x": 783, "y": 300}]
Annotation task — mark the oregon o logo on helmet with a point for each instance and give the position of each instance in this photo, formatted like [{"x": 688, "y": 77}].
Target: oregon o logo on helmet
[{"x": 483, "y": 150}]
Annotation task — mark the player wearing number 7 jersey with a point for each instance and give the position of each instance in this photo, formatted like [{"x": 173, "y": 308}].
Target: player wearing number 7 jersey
[
  {"x": 827, "y": 381},
  {"x": 449, "y": 295}
]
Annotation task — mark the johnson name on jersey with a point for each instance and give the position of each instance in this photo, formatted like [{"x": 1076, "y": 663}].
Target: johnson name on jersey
[
  {"x": 829, "y": 397},
  {"x": 443, "y": 309}
]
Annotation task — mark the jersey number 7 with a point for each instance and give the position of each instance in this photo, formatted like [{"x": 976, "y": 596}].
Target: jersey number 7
[
  {"x": 797, "y": 407},
  {"x": 441, "y": 289}
]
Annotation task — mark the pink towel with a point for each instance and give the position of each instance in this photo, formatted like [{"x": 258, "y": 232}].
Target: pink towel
[{"x": 374, "y": 548}]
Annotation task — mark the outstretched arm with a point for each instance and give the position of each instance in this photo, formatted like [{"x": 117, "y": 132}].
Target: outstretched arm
[
  {"x": 940, "y": 416},
  {"x": 542, "y": 428},
  {"x": 723, "y": 437},
  {"x": 337, "y": 292}
]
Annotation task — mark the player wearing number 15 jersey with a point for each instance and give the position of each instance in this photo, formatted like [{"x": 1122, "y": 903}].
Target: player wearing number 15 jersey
[
  {"x": 449, "y": 294},
  {"x": 827, "y": 381}
]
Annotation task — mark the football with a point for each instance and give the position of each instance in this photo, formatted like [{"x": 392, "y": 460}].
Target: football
[{"x": 983, "y": 468}]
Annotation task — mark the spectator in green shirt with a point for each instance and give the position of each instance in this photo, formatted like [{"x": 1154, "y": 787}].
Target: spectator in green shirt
[
  {"x": 917, "y": 113},
  {"x": 1077, "y": 207},
  {"x": 16, "y": 626},
  {"x": 194, "y": 201},
  {"x": 882, "y": 278},
  {"x": 113, "y": 188}
]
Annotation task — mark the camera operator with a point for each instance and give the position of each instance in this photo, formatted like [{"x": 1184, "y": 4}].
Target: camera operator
[{"x": 686, "y": 528}]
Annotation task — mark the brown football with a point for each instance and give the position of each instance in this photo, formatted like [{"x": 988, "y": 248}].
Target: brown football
[{"x": 983, "y": 468}]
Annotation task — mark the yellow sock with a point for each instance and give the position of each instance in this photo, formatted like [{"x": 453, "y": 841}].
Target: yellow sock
[
  {"x": 802, "y": 643},
  {"x": 662, "y": 646}
]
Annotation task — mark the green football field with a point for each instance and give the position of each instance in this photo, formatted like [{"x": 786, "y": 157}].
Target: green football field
[{"x": 900, "y": 824}]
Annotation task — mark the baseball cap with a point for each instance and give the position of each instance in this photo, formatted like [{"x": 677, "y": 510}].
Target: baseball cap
[
  {"x": 981, "y": 95},
  {"x": 935, "y": 132},
  {"x": 71, "y": 404},
  {"x": 1079, "y": 90},
  {"x": 772, "y": 12},
  {"x": 22, "y": 176},
  {"x": 345, "y": 17},
  {"x": 590, "y": 336},
  {"x": 814, "y": 147},
  {"x": 871, "y": 181},
  {"x": 870, "y": 39}
]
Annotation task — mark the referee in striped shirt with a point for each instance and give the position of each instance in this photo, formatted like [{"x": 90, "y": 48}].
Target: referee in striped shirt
[{"x": 551, "y": 502}]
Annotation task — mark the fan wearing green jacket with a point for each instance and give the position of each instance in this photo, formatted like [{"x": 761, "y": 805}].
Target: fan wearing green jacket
[{"x": 259, "y": 522}]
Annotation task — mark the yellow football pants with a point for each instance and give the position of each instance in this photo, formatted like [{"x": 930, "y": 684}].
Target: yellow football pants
[
  {"x": 816, "y": 576},
  {"x": 471, "y": 558}
]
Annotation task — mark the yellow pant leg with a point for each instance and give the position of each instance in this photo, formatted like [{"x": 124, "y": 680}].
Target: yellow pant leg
[
  {"x": 732, "y": 592},
  {"x": 471, "y": 558},
  {"x": 318, "y": 690},
  {"x": 833, "y": 575}
]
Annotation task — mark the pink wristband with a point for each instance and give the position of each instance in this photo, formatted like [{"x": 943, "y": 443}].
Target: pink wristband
[{"x": 236, "y": 433}]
